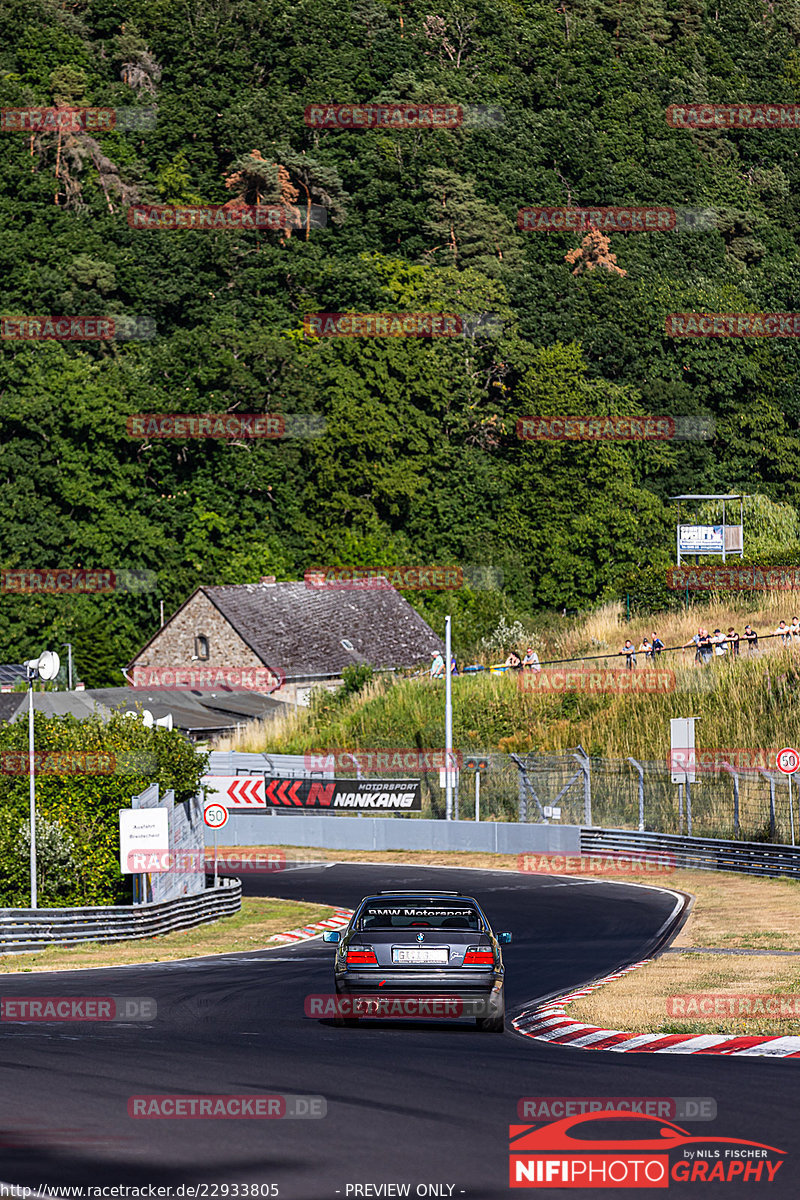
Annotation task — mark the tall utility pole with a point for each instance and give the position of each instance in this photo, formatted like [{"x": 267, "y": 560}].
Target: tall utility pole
[
  {"x": 448, "y": 723},
  {"x": 68, "y": 646}
]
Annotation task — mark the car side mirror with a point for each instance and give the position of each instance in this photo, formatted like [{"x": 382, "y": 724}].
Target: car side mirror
[
  {"x": 332, "y": 935},
  {"x": 504, "y": 938}
]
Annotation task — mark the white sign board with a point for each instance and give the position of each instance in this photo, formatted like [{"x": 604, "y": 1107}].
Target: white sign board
[
  {"x": 443, "y": 781},
  {"x": 554, "y": 814},
  {"x": 141, "y": 829},
  {"x": 682, "y": 758},
  {"x": 701, "y": 539},
  {"x": 236, "y": 791}
]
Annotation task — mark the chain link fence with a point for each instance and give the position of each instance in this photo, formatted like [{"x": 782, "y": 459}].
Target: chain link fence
[{"x": 574, "y": 788}]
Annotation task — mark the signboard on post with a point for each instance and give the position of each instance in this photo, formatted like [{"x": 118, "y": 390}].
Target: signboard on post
[
  {"x": 141, "y": 829},
  {"x": 701, "y": 539},
  {"x": 682, "y": 757}
]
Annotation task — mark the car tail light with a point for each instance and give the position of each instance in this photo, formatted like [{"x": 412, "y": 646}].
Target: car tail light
[
  {"x": 476, "y": 957},
  {"x": 361, "y": 954}
]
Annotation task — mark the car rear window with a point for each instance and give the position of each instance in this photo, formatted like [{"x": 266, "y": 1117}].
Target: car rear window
[{"x": 403, "y": 915}]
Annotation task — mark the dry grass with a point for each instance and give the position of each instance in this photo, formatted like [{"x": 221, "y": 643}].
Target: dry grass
[
  {"x": 640, "y": 1001},
  {"x": 248, "y": 929}
]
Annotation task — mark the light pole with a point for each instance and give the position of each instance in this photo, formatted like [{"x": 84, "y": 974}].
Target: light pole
[
  {"x": 448, "y": 724},
  {"x": 45, "y": 667},
  {"x": 68, "y": 646}
]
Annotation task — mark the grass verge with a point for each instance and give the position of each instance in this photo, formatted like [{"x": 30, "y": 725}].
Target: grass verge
[{"x": 249, "y": 929}]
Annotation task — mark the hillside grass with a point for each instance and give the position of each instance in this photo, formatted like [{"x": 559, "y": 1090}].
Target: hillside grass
[{"x": 751, "y": 702}]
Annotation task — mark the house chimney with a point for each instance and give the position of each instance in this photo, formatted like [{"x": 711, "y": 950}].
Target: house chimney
[{"x": 268, "y": 580}]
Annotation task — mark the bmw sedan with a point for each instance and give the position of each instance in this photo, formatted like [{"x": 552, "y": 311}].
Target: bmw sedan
[{"x": 420, "y": 954}]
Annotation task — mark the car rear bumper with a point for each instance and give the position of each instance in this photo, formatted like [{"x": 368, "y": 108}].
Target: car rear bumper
[{"x": 442, "y": 983}]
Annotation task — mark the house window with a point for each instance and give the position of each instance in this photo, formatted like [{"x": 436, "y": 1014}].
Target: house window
[
  {"x": 201, "y": 647},
  {"x": 347, "y": 645}
]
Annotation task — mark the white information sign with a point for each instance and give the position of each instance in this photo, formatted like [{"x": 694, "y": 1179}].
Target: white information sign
[{"x": 141, "y": 829}]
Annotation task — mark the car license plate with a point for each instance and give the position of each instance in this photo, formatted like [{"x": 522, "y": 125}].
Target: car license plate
[{"x": 419, "y": 954}]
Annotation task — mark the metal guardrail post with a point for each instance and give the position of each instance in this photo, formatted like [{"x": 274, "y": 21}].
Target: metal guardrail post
[
  {"x": 640, "y": 769},
  {"x": 735, "y": 777},
  {"x": 770, "y": 777},
  {"x": 587, "y": 784},
  {"x": 688, "y": 807}
]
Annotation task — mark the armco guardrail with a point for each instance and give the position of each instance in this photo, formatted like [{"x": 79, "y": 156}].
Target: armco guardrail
[
  {"x": 707, "y": 854},
  {"x": 25, "y": 929}
]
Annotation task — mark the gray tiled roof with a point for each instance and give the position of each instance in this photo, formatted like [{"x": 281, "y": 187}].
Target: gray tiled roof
[
  {"x": 10, "y": 673},
  {"x": 299, "y": 630}
]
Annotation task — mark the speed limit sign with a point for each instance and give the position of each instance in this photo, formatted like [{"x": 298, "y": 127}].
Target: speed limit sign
[
  {"x": 215, "y": 815},
  {"x": 788, "y": 760}
]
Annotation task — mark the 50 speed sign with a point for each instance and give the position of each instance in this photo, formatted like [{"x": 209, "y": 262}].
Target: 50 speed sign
[
  {"x": 787, "y": 760},
  {"x": 215, "y": 815}
]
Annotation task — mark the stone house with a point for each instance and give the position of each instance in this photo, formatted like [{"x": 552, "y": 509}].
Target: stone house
[{"x": 283, "y": 638}]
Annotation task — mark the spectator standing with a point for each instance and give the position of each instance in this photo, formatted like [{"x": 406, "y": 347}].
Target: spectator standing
[
  {"x": 733, "y": 642},
  {"x": 794, "y": 630},
  {"x": 658, "y": 646},
  {"x": 453, "y": 665},
  {"x": 629, "y": 650},
  {"x": 703, "y": 647},
  {"x": 531, "y": 660},
  {"x": 752, "y": 639},
  {"x": 646, "y": 649},
  {"x": 513, "y": 661},
  {"x": 437, "y": 665},
  {"x": 719, "y": 642},
  {"x": 783, "y": 633}
]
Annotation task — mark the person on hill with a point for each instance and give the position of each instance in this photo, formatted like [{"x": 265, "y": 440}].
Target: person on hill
[
  {"x": 437, "y": 664},
  {"x": 733, "y": 641},
  {"x": 531, "y": 660},
  {"x": 794, "y": 630},
  {"x": 646, "y": 649},
  {"x": 751, "y": 637},
  {"x": 629, "y": 650},
  {"x": 783, "y": 633},
  {"x": 719, "y": 642},
  {"x": 703, "y": 647},
  {"x": 658, "y": 646},
  {"x": 514, "y": 661}
]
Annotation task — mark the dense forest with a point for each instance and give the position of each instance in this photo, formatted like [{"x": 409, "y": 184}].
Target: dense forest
[{"x": 412, "y": 453}]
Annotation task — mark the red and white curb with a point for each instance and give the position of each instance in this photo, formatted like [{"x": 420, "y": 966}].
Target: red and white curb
[
  {"x": 550, "y": 1023},
  {"x": 339, "y": 919}
]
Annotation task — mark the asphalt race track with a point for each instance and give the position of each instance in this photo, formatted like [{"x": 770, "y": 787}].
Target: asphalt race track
[{"x": 407, "y": 1103}]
